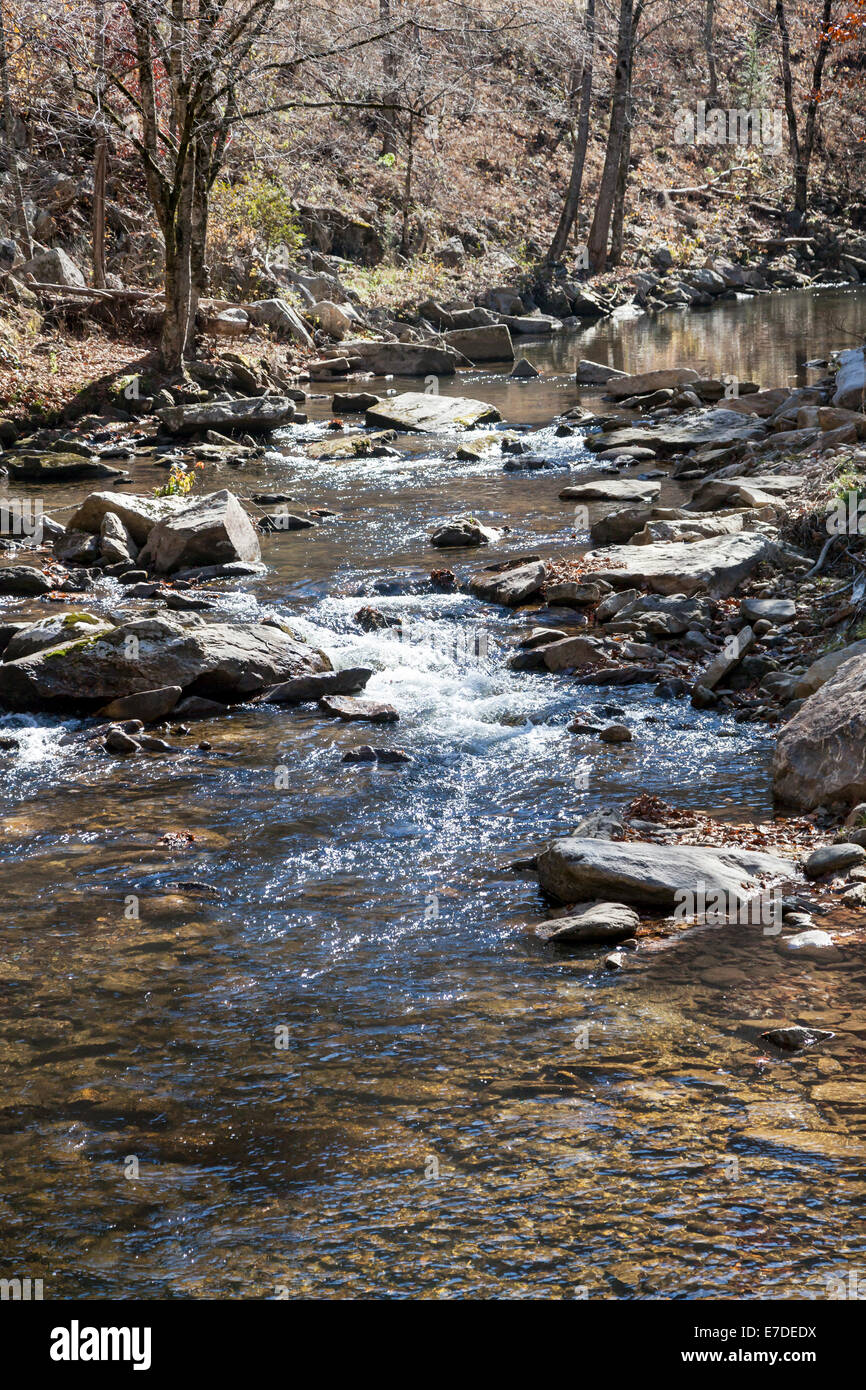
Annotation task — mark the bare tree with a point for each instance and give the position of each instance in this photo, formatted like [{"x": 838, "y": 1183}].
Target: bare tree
[
  {"x": 9, "y": 132},
  {"x": 581, "y": 140},
  {"x": 600, "y": 229},
  {"x": 803, "y": 143}
]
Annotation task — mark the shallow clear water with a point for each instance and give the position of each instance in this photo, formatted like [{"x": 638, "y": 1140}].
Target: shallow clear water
[{"x": 349, "y": 1069}]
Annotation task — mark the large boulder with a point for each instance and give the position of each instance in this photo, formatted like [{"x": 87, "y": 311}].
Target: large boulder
[
  {"x": 403, "y": 359},
  {"x": 211, "y": 530},
  {"x": 490, "y": 344},
  {"x": 53, "y": 267},
  {"x": 717, "y": 566},
  {"x": 138, "y": 514},
  {"x": 222, "y": 661},
  {"x": 820, "y": 755},
  {"x": 851, "y": 379},
  {"x": 576, "y": 870},
  {"x": 595, "y": 373},
  {"x": 281, "y": 318},
  {"x": 338, "y": 233},
  {"x": 415, "y": 410},
  {"x": 251, "y": 413}
]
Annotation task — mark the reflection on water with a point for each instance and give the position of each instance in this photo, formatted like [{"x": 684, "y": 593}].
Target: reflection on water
[{"x": 327, "y": 1056}]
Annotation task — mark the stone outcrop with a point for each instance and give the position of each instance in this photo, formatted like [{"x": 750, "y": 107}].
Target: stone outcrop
[{"x": 820, "y": 755}]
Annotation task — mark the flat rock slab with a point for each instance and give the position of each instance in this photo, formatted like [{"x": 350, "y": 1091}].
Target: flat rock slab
[
  {"x": 716, "y": 566},
  {"x": 509, "y": 584},
  {"x": 643, "y": 383},
  {"x": 612, "y": 490},
  {"x": 253, "y": 413},
  {"x": 716, "y": 493},
  {"x": 653, "y": 876},
  {"x": 347, "y": 707},
  {"x": 591, "y": 923},
  {"x": 58, "y": 468},
  {"x": 147, "y": 705},
  {"x": 719, "y": 427},
  {"x": 414, "y": 410}
]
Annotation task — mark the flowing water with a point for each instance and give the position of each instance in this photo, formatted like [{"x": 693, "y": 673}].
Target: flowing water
[{"x": 345, "y": 1067}]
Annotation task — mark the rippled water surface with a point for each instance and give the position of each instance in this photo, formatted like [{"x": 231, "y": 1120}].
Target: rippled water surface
[{"x": 344, "y": 1066}]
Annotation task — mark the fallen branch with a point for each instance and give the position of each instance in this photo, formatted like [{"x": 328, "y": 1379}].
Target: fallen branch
[{"x": 707, "y": 187}]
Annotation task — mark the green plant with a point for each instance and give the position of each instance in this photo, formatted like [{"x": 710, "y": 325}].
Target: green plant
[
  {"x": 181, "y": 481},
  {"x": 259, "y": 205}
]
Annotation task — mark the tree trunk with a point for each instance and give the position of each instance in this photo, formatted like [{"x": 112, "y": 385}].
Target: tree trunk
[
  {"x": 710, "y": 49},
  {"x": 176, "y": 333},
  {"x": 407, "y": 185},
  {"x": 389, "y": 68},
  {"x": 618, "y": 113},
  {"x": 100, "y": 156},
  {"x": 801, "y": 150},
  {"x": 572, "y": 197},
  {"x": 11, "y": 156},
  {"x": 616, "y": 234}
]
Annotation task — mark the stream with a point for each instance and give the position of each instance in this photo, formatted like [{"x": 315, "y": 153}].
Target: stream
[{"x": 340, "y": 1064}]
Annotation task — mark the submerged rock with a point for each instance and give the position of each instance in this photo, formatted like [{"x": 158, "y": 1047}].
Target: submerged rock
[
  {"x": 794, "y": 1039},
  {"x": 58, "y": 468}
]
